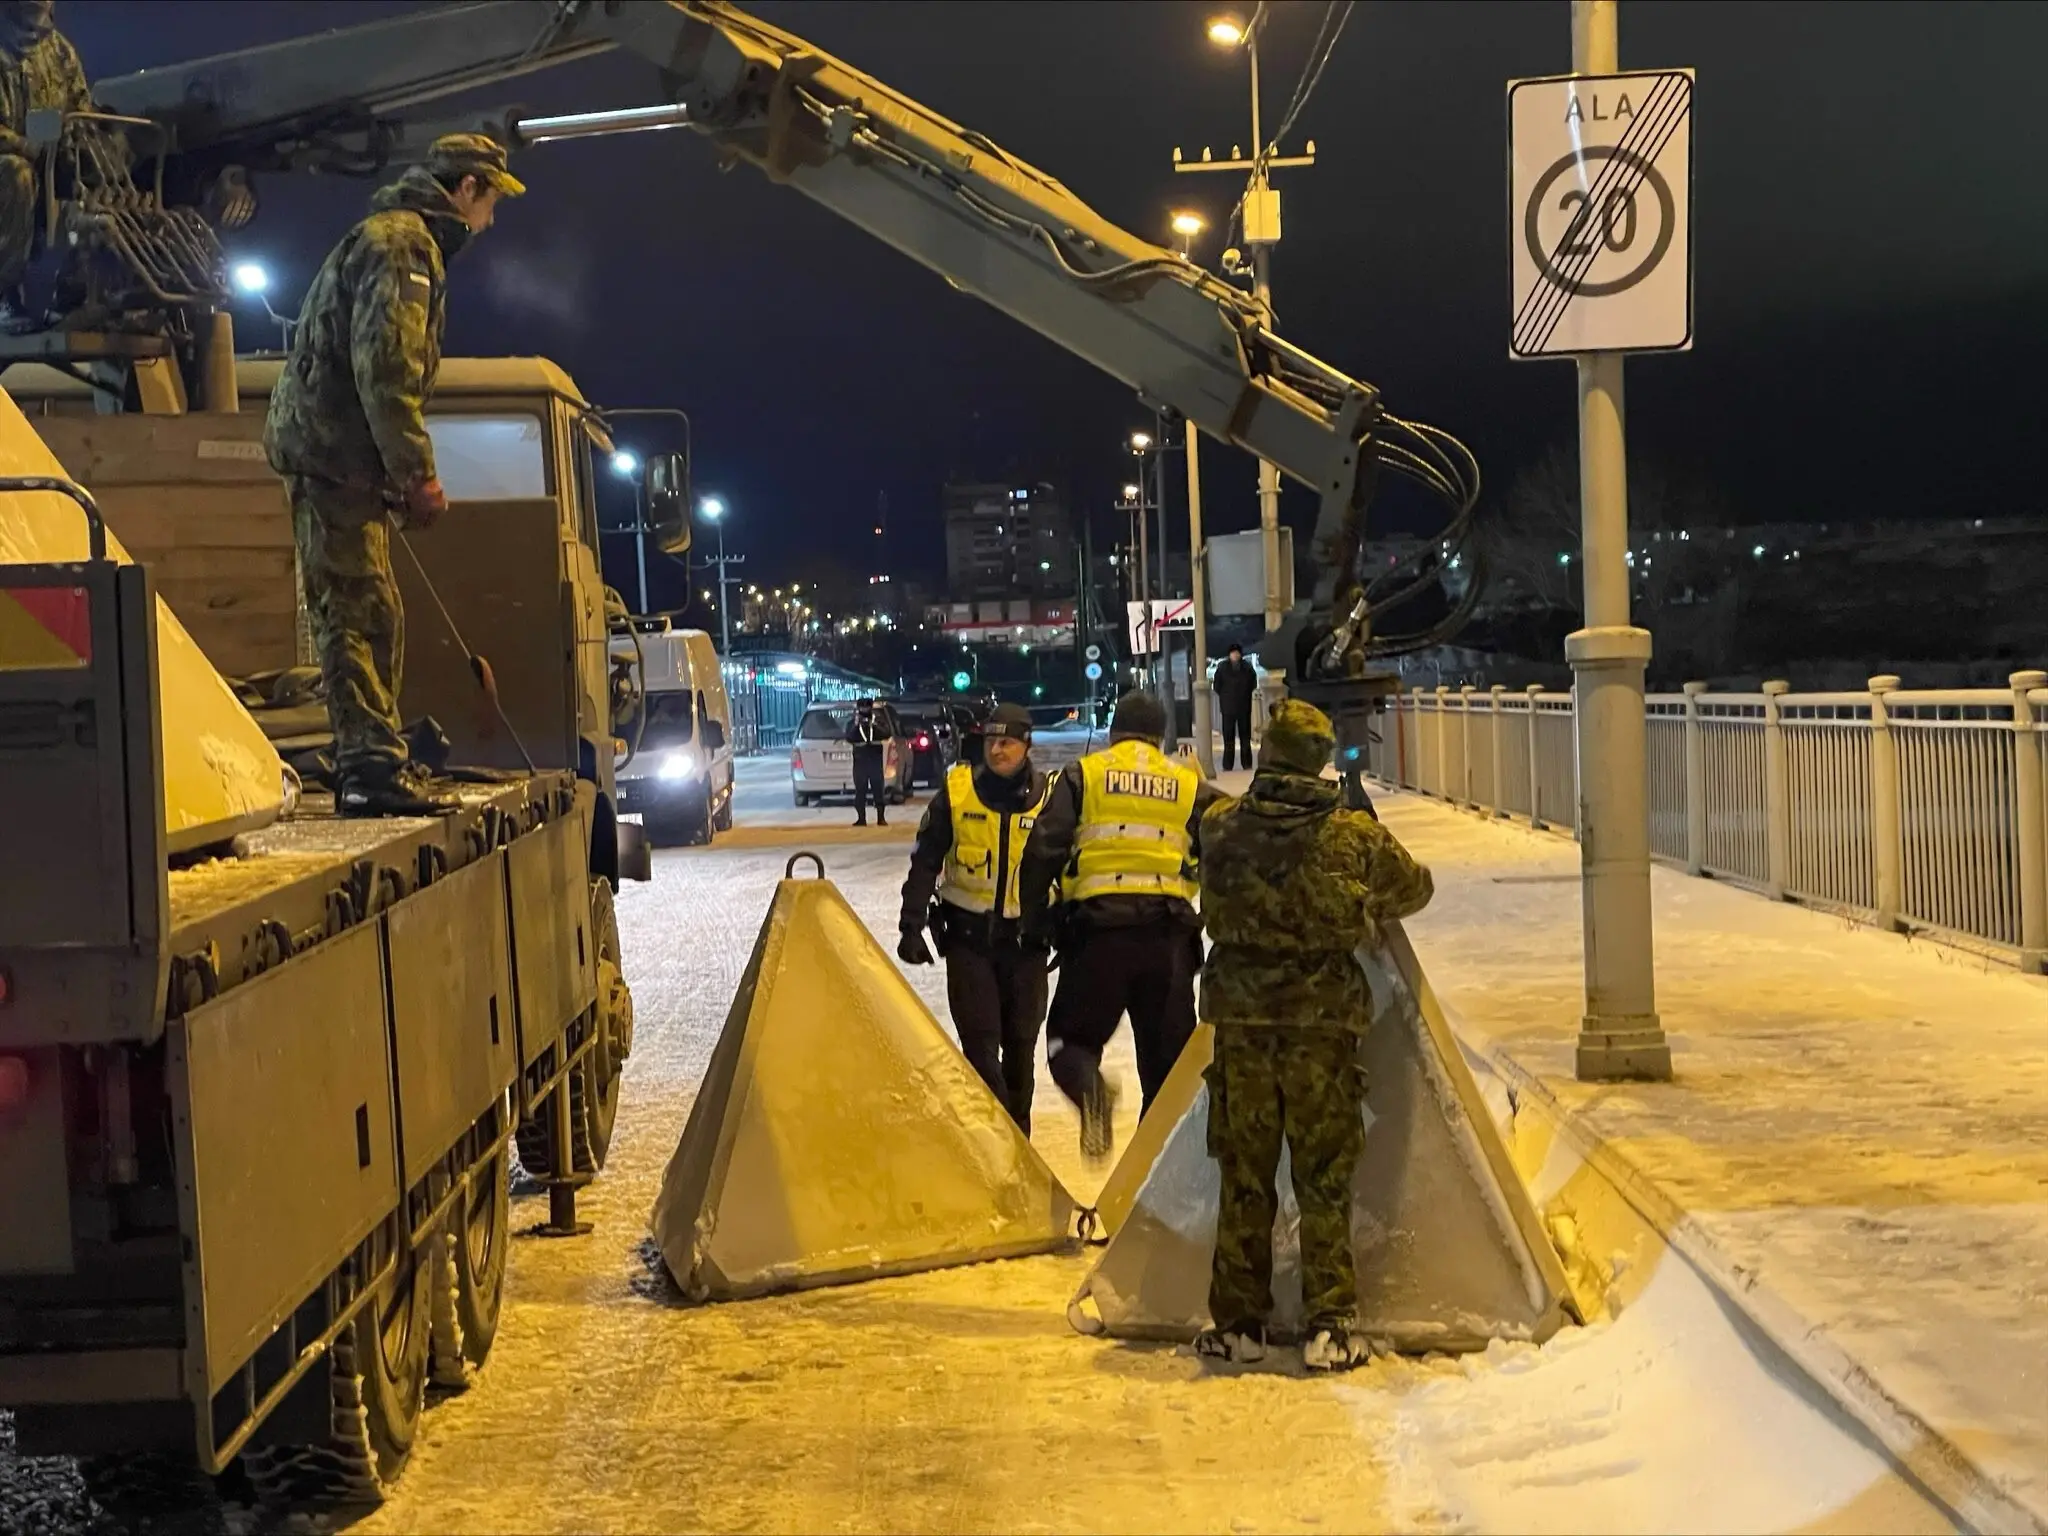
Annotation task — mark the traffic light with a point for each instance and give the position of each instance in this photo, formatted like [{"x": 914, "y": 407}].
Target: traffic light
[{"x": 961, "y": 681}]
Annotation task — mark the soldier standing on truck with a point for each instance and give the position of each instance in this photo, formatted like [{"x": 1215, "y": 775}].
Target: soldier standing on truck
[
  {"x": 347, "y": 431},
  {"x": 969, "y": 847},
  {"x": 1293, "y": 885},
  {"x": 39, "y": 69},
  {"x": 1120, "y": 832}
]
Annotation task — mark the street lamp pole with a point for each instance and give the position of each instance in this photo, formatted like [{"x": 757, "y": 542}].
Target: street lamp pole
[
  {"x": 1261, "y": 220},
  {"x": 640, "y": 538}
]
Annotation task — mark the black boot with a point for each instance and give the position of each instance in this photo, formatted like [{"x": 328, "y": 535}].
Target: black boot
[{"x": 407, "y": 790}]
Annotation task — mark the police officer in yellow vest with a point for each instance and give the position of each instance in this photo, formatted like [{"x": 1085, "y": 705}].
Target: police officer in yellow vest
[
  {"x": 969, "y": 847},
  {"x": 1119, "y": 834}
]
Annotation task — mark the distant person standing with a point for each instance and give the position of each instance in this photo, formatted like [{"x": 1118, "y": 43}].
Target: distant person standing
[
  {"x": 1235, "y": 682},
  {"x": 867, "y": 733}
]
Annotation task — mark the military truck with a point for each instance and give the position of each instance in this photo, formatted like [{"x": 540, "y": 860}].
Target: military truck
[{"x": 257, "y": 1110}]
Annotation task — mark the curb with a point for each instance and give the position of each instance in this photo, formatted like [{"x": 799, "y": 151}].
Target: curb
[{"x": 1937, "y": 1462}]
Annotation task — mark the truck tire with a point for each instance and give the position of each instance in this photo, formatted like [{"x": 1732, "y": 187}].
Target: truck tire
[
  {"x": 594, "y": 1080},
  {"x": 469, "y": 1294},
  {"x": 722, "y": 820},
  {"x": 377, "y": 1378}
]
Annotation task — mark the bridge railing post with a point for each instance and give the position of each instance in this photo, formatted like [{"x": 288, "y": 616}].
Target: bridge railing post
[
  {"x": 1443, "y": 744},
  {"x": 1498, "y": 693},
  {"x": 1887, "y": 840},
  {"x": 1777, "y": 793},
  {"x": 1536, "y": 821},
  {"x": 1466, "y": 777},
  {"x": 1695, "y": 782},
  {"x": 2031, "y": 812}
]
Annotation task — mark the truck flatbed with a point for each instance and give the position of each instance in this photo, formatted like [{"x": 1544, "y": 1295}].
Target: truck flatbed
[{"x": 314, "y": 874}]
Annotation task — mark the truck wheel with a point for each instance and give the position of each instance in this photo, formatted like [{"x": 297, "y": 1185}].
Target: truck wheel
[
  {"x": 469, "y": 1293},
  {"x": 702, "y": 823},
  {"x": 722, "y": 820},
  {"x": 607, "y": 1060},
  {"x": 377, "y": 1378}
]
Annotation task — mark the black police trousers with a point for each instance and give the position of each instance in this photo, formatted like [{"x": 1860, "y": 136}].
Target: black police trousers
[
  {"x": 997, "y": 994},
  {"x": 869, "y": 784},
  {"x": 1146, "y": 970}
]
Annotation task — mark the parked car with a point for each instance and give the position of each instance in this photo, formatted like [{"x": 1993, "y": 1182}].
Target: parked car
[
  {"x": 821, "y": 762},
  {"x": 679, "y": 778},
  {"x": 935, "y": 729}
]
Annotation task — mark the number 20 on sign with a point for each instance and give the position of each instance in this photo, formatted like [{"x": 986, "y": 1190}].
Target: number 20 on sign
[{"x": 1599, "y": 213}]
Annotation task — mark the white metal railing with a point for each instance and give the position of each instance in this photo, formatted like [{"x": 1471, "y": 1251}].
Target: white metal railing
[{"x": 1916, "y": 810}]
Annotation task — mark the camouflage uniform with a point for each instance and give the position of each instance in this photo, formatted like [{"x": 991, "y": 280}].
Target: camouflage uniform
[
  {"x": 347, "y": 430},
  {"x": 1292, "y": 885},
  {"x": 38, "y": 69}
]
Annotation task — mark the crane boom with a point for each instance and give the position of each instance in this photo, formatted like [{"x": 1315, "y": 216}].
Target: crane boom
[{"x": 993, "y": 226}]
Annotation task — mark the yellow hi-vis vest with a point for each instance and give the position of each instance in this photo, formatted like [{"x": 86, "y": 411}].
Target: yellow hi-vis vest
[
  {"x": 1133, "y": 837},
  {"x": 984, "y": 842}
]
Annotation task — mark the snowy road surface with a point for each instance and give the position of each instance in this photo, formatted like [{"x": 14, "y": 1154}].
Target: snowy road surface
[{"x": 961, "y": 1400}]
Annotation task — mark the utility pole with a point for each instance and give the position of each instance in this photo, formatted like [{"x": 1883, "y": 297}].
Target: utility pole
[
  {"x": 640, "y": 539},
  {"x": 1165, "y": 575},
  {"x": 1620, "y": 1034},
  {"x": 1198, "y": 672},
  {"x": 1261, "y": 212}
]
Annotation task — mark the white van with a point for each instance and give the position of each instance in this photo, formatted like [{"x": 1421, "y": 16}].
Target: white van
[{"x": 678, "y": 768}]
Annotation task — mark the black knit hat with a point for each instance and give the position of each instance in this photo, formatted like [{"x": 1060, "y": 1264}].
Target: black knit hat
[
  {"x": 1011, "y": 720},
  {"x": 1138, "y": 713}
]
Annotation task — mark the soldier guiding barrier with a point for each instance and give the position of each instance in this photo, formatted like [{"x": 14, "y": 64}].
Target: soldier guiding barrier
[
  {"x": 1293, "y": 884},
  {"x": 347, "y": 431},
  {"x": 970, "y": 847},
  {"x": 1120, "y": 834}
]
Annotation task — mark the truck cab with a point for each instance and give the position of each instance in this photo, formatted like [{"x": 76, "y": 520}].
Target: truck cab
[{"x": 677, "y": 771}]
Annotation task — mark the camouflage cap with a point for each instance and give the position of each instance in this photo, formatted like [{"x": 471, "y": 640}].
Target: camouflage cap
[
  {"x": 456, "y": 155},
  {"x": 1299, "y": 737}
]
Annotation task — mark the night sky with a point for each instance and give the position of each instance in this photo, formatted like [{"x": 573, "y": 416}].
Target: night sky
[{"x": 1871, "y": 252}]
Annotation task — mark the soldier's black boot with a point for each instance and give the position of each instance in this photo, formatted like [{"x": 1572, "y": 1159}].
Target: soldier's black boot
[
  {"x": 407, "y": 790},
  {"x": 1332, "y": 1345},
  {"x": 1241, "y": 1343}
]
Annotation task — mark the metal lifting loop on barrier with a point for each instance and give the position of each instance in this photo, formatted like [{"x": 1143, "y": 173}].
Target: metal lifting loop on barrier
[
  {"x": 789, "y": 869},
  {"x": 78, "y": 493}
]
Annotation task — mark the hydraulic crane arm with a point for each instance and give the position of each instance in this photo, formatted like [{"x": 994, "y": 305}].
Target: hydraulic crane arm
[{"x": 945, "y": 196}]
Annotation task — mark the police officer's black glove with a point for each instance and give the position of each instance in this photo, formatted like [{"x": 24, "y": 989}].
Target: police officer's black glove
[{"x": 911, "y": 948}]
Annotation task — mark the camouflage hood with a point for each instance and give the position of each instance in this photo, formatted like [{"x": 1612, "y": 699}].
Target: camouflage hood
[
  {"x": 417, "y": 192},
  {"x": 24, "y": 23},
  {"x": 1285, "y": 797}
]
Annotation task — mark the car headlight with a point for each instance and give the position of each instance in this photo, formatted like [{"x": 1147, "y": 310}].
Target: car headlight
[{"x": 677, "y": 765}]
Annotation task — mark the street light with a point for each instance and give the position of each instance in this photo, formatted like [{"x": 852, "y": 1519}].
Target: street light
[
  {"x": 252, "y": 279},
  {"x": 712, "y": 510},
  {"x": 1188, "y": 224},
  {"x": 1132, "y": 492},
  {"x": 625, "y": 464},
  {"x": 1227, "y": 31},
  {"x": 1141, "y": 442}
]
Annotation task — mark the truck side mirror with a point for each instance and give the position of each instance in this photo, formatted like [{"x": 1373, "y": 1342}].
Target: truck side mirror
[
  {"x": 665, "y": 491},
  {"x": 714, "y": 735}
]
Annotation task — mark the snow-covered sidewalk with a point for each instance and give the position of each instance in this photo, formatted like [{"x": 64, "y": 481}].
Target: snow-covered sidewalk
[{"x": 1855, "y": 1148}]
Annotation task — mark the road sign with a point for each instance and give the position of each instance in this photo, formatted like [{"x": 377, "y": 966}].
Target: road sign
[
  {"x": 1147, "y": 622},
  {"x": 1093, "y": 671},
  {"x": 1599, "y": 213},
  {"x": 1093, "y": 653}
]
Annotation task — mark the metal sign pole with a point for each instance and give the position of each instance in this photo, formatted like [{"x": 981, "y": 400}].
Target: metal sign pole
[
  {"x": 1620, "y": 1034},
  {"x": 1198, "y": 674}
]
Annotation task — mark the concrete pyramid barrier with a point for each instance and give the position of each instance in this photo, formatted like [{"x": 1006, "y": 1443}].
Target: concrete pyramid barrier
[
  {"x": 1450, "y": 1250},
  {"x": 839, "y": 1133}
]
